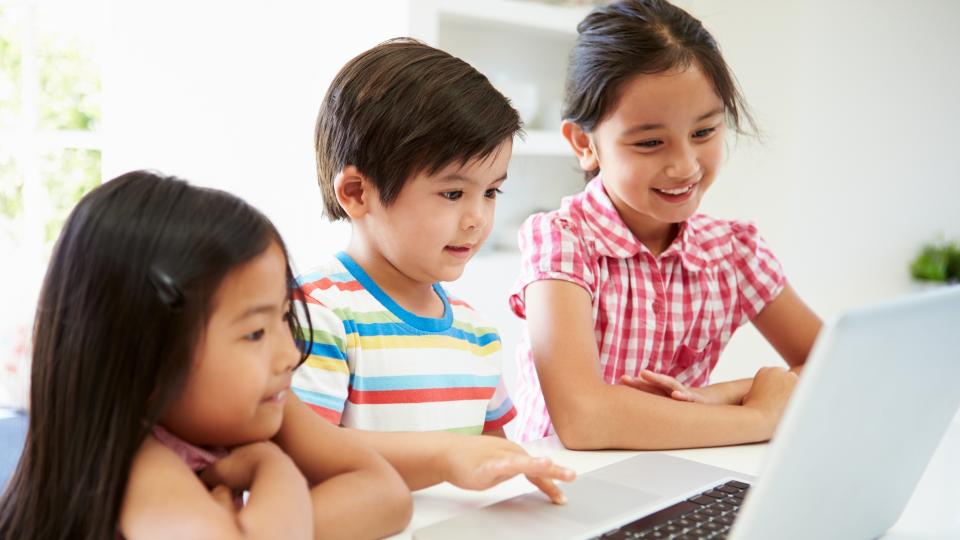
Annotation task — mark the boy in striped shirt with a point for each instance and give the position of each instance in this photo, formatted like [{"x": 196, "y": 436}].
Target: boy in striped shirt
[{"x": 412, "y": 148}]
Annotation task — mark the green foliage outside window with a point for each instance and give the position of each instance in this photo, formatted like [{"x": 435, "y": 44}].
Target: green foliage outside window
[
  {"x": 67, "y": 99},
  {"x": 10, "y": 58},
  {"x": 67, "y": 176},
  {"x": 69, "y": 88}
]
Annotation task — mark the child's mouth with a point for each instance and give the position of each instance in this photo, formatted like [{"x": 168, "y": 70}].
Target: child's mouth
[
  {"x": 458, "y": 251},
  {"x": 677, "y": 194}
]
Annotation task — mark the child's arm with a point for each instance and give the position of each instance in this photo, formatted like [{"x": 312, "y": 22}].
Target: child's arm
[
  {"x": 355, "y": 492},
  {"x": 790, "y": 326},
  {"x": 582, "y": 405},
  {"x": 165, "y": 499},
  {"x": 466, "y": 461}
]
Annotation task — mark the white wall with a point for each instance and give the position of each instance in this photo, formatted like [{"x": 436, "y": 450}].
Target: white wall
[{"x": 225, "y": 94}]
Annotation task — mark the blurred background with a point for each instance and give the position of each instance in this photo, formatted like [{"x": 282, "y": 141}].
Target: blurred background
[{"x": 857, "y": 168}]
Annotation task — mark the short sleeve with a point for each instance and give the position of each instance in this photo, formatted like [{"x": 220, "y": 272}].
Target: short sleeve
[
  {"x": 322, "y": 381},
  {"x": 551, "y": 247},
  {"x": 500, "y": 409},
  {"x": 760, "y": 278}
]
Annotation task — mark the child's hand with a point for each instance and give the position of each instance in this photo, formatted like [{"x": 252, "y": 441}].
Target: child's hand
[
  {"x": 770, "y": 392},
  {"x": 480, "y": 462},
  {"x": 665, "y": 385},
  {"x": 236, "y": 471}
]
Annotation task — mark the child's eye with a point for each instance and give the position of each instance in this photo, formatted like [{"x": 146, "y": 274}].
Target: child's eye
[
  {"x": 702, "y": 133},
  {"x": 492, "y": 193},
  {"x": 649, "y": 144},
  {"x": 451, "y": 195},
  {"x": 255, "y": 336}
]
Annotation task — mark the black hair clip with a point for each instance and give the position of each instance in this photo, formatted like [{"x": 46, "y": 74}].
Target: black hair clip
[{"x": 167, "y": 289}]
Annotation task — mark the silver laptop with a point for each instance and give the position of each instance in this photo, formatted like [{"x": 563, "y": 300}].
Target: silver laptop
[{"x": 877, "y": 395}]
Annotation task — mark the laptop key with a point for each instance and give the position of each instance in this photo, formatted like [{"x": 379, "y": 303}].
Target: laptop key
[
  {"x": 716, "y": 494},
  {"x": 710, "y": 511},
  {"x": 725, "y": 520},
  {"x": 729, "y": 489},
  {"x": 701, "y": 500},
  {"x": 724, "y": 507},
  {"x": 738, "y": 485}
]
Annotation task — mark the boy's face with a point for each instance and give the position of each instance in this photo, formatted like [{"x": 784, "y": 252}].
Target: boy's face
[{"x": 439, "y": 221}]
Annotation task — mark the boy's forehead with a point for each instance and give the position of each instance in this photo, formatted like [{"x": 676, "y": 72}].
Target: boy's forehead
[{"x": 481, "y": 169}]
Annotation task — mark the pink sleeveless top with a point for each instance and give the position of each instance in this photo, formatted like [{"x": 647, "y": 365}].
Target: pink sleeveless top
[{"x": 195, "y": 457}]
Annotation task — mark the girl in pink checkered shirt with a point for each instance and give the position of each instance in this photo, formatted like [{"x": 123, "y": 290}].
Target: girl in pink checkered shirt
[{"x": 629, "y": 294}]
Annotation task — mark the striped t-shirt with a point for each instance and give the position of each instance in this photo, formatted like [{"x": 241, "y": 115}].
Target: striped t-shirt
[{"x": 374, "y": 365}]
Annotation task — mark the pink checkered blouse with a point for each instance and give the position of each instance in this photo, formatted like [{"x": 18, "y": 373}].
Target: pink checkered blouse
[{"x": 671, "y": 314}]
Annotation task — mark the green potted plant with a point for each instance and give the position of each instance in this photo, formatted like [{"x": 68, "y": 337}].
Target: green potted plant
[{"x": 937, "y": 263}]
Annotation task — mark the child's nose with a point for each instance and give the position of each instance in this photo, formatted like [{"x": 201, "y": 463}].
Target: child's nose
[
  {"x": 286, "y": 356},
  {"x": 683, "y": 162},
  {"x": 474, "y": 218}
]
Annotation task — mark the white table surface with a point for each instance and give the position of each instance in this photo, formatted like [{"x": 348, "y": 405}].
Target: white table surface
[{"x": 933, "y": 511}]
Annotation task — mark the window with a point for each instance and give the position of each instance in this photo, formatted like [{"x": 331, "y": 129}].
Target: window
[{"x": 49, "y": 152}]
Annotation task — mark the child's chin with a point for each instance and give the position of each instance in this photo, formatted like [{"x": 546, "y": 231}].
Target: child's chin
[{"x": 451, "y": 273}]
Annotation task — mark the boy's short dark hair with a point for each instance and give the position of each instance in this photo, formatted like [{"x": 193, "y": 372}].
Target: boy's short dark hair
[{"x": 402, "y": 108}]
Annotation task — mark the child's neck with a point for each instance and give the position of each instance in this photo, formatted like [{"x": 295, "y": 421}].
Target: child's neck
[
  {"x": 412, "y": 295},
  {"x": 655, "y": 235}
]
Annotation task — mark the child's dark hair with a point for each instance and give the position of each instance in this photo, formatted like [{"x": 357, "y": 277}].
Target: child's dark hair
[
  {"x": 125, "y": 298},
  {"x": 631, "y": 37},
  {"x": 402, "y": 108}
]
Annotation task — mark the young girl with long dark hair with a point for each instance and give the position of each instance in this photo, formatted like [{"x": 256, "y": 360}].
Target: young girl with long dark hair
[{"x": 163, "y": 348}]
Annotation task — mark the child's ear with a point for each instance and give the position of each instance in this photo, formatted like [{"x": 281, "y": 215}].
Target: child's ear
[
  {"x": 354, "y": 191},
  {"x": 582, "y": 146}
]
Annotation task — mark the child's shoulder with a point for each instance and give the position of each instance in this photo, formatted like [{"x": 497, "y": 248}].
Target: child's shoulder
[
  {"x": 723, "y": 238},
  {"x": 464, "y": 311},
  {"x": 329, "y": 284},
  {"x": 160, "y": 484}
]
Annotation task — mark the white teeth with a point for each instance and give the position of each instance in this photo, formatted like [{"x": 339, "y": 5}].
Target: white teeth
[{"x": 680, "y": 191}]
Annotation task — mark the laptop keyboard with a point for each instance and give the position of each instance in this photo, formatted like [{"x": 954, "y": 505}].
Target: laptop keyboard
[{"x": 708, "y": 515}]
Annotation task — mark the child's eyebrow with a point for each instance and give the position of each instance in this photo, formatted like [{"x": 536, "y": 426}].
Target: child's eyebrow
[
  {"x": 649, "y": 127},
  {"x": 260, "y": 309},
  {"x": 461, "y": 178},
  {"x": 256, "y": 310}
]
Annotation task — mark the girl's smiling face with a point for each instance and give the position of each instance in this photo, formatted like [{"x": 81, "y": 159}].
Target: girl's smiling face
[{"x": 658, "y": 149}]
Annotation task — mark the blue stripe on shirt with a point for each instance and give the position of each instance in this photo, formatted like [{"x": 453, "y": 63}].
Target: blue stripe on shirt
[
  {"x": 503, "y": 409},
  {"x": 323, "y": 400},
  {"x": 419, "y": 382}
]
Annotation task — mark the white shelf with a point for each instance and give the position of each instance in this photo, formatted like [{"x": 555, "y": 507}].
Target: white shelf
[
  {"x": 539, "y": 142},
  {"x": 530, "y": 15}
]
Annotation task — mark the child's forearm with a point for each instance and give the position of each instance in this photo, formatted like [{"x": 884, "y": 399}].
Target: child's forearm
[
  {"x": 353, "y": 486},
  {"x": 337, "y": 500},
  {"x": 420, "y": 458},
  {"x": 279, "y": 503},
  {"x": 614, "y": 416}
]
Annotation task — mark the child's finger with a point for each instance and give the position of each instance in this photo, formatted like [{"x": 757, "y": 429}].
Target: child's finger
[
  {"x": 664, "y": 380},
  {"x": 223, "y": 496},
  {"x": 541, "y": 467},
  {"x": 683, "y": 396},
  {"x": 211, "y": 477},
  {"x": 644, "y": 386},
  {"x": 549, "y": 488}
]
